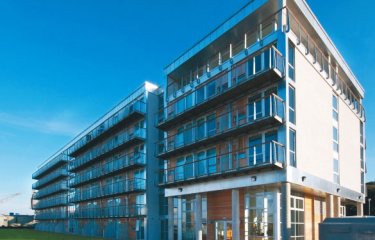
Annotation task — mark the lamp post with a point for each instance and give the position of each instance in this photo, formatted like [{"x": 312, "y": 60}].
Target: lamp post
[{"x": 369, "y": 206}]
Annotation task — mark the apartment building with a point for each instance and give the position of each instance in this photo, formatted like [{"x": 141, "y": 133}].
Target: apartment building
[
  {"x": 112, "y": 188},
  {"x": 263, "y": 129},
  {"x": 51, "y": 194}
]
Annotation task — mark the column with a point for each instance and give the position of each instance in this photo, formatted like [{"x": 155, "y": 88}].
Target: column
[
  {"x": 276, "y": 213},
  {"x": 198, "y": 216},
  {"x": 236, "y": 213},
  {"x": 285, "y": 211},
  {"x": 359, "y": 209},
  {"x": 330, "y": 206},
  {"x": 337, "y": 206},
  {"x": 170, "y": 218},
  {"x": 179, "y": 219}
]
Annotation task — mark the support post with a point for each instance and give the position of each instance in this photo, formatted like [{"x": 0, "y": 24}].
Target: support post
[
  {"x": 236, "y": 213},
  {"x": 285, "y": 210}
]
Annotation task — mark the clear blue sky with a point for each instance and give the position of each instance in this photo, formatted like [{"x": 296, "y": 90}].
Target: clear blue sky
[{"x": 64, "y": 63}]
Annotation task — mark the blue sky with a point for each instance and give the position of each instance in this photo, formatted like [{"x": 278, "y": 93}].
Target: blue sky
[{"x": 65, "y": 63}]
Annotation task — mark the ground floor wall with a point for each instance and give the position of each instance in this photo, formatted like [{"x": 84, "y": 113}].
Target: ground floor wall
[{"x": 251, "y": 213}]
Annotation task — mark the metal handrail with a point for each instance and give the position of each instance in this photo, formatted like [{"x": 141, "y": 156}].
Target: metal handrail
[
  {"x": 276, "y": 108},
  {"x": 226, "y": 163},
  {"x": 276, "y": 61}
]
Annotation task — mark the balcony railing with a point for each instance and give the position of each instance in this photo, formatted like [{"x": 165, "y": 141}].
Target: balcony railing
[
  {"x": 51, "y": 215},
  {"x": 114, "y": 143},
  {"x": 254, "y": 157},
  {"x": 121, "y": 211},
  {"x": 125, "y": 113},
  {"x": 52, "y": 202},
  {"x": 126, "y": 161},
  {"x": 50, "y": 177},
  {"x": 55, "y": 188},
  {"x": 254, "y": 67},
  {"x": 246, "y": 117},
  {"x": 125, "y": 186},
  {"x": 55, "y": 161}
]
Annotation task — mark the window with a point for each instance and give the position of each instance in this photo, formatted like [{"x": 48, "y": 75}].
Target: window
[
  {"x": 254, "y": 108},
  {"x": 335, "y": 113},
  {"x": 292, "y": 147},
  {"x": 291, "y": 61},
  {"x": 179, "y": 174},
  {"x": 200, "y": 95},
  {"x": 189, "y": 100},
  {"x": 202, "y": 163},
  {"x": 361, "y": 132},
  {"x": 210, "y": 89},
  {"x": 180, "y": 105},
  {"x": 258, "y": 63},
  {"x": 179, "y": 141},
  {"x": 211, "y": 156},
  {"x": 259, "y": 215},
  {"x": 336, "y": 174},
  {"x": 255, "y": 151},
  {"x": 297, "y": 218},
  {"x": 200, "y": 129},
  {"x": 211, "y": 125},
  {"x": 335, "y": 139},
  {"x": 188, "y": 133},
  {"x": 292, "y": 105},
  {"x": 250, "y": 65}
]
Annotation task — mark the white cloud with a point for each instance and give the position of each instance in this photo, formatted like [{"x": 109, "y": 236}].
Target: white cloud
[{"x": 60, "y": 125}]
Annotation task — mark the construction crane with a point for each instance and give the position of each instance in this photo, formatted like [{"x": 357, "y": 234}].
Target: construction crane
[{"x": 8, "y": 197}]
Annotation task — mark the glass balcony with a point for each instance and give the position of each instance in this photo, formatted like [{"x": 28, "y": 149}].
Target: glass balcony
[
  {"x": 121, "y": 140},
  {"x": 268, "y": 154},
  {"x": 113, "y": 166},
  {"x": 60, "y": 159},
  {"x": 51, "y": 202},
  {"x": 121, "y": 211},
  {"x": 62, "y": 172},
  {"x": 128, "y": 113},
  {"x": 260, "y": 112},
  {"x": 55, "y": 188},
  {"x": 51, "y": 215},
  {"x": 264, "y": 66},
  {"x": 115, "y": 188}
]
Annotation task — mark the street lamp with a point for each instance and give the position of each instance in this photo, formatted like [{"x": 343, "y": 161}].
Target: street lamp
[{"x": 369, "y": 206}]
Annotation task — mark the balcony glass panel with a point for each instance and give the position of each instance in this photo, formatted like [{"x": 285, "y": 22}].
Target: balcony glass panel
[
  {"x": 256, "y": 110},
  {"x": 260, "y": 62},
  {"x": 109, "y": 189},
  {"x": 255, "y": 155}
]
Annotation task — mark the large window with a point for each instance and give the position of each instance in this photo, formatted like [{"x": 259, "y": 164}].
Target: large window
[
  {"x": 335, "y": 139},
  {"x": 292, "y": 105},
  {"x": 297, "y": 218},
  {"x": 259, "y": 215},
  {"x": 188, "y": 225}
]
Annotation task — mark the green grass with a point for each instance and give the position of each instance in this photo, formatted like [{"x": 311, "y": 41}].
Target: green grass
[{"x": 29, "y": 234}]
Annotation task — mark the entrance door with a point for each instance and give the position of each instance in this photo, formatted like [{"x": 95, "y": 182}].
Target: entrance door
[{"x": 223, "y": 230}]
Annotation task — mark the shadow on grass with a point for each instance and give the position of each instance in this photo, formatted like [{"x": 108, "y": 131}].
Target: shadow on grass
[{"x": 31, "y": 234}]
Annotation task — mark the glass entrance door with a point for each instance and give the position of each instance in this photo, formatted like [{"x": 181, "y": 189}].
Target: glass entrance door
[{"x": 223, "y": 230}]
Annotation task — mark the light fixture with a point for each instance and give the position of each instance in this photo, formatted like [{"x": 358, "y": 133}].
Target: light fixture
[
  {"x": 253, "y": 178},
  {"x": 338, "y": 189},
  {"x": 303, "y": 178},
  {"x": 180, "y": 189}
]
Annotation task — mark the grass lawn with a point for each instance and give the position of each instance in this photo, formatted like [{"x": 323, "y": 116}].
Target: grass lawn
[{"x": 29, "y": 234}]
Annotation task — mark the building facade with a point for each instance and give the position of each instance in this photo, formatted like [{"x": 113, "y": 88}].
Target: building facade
[
  {"x": 111, "y": 184},
  {"x": 263, "y": 129},
  {"x": 260, "y": 134},
  {"x": 50, "y": 198}
]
